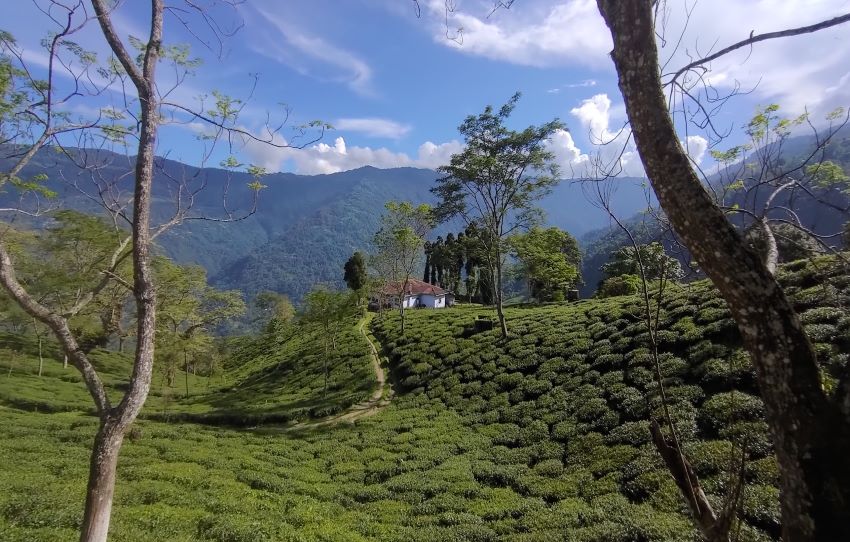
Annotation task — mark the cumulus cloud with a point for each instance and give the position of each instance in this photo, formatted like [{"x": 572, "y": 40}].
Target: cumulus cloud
[
  {"x": 611, "y": 149},
  {"x": 542, "y": 33},
  {"x": 793, "y": 72},
  {"x": 373, "y": 127},
  {"x": 695, "y": 146},
  {"x": 323, "y": 158}
]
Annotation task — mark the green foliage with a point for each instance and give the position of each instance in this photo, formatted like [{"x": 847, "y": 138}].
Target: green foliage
[
  {"x": 540, "y": 437},
  {"x": 619, "y": 285},
  {"x": 355, "y": 276},
  {"x": 655, "y": 262},
  {"x": 550, "y": 261}
]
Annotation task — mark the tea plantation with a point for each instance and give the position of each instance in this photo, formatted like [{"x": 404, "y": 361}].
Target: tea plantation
[{"x": 542, "y": 437}]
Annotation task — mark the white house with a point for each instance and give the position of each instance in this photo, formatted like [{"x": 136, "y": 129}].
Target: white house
[{"x": 418, "y": 294}]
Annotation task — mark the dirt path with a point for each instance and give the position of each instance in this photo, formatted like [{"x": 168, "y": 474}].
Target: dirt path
[{"x": 379, "y": 399}]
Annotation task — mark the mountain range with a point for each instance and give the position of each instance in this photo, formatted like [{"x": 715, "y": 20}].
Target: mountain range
[{"x": 304, "y": 228}]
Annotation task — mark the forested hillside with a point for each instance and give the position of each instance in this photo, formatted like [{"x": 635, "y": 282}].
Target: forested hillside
[{"x": 305, "y": 227}]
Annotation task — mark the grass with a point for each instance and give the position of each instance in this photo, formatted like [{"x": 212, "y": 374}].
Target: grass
[{"x": 541, "y": 437}]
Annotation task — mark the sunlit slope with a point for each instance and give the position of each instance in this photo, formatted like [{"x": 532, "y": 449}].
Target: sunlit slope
[
  {"x": 567, "y": 398},
  {"x": 274, "y": 377}
]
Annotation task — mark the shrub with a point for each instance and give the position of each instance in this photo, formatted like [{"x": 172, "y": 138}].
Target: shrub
[{"x": 618, "y": 286}]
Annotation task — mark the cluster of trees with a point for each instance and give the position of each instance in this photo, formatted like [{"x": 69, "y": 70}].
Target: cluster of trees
[
  {"x": 78, "y": 246},
  {"x": 633, "y": 268},
  {"x": 495, "y": 183},
  {"x": 459, "y": 261},
  {"x": 549, "y": 260}
]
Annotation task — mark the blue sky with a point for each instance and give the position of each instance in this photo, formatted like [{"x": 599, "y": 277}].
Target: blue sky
[{"x": 395, "y": 87}]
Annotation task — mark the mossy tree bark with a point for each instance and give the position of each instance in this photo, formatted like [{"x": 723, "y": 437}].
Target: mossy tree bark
[{"x": 811, "y": 434}]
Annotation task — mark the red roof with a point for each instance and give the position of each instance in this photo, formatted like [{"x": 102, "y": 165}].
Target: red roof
[{"x": 414, "y": 287}]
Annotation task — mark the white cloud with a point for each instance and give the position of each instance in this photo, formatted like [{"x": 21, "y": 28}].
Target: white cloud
[
  {"x": 567, "y": 155},
  {"x": 432, "y": 155},
  {"x": 324, "y": 158},
  {"x": 696, "y": 146},
  {"x": 581, "y": 84},
  {"x": 373, "y": 127},
  {"x": 541, "y": 33},
  {"x": 612, "y": 149},
  {"x": 792, "y": 72},
  {"x": 293, "y": 46}
]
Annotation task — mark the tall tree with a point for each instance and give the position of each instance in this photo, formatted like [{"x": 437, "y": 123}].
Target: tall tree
[
  {"x": 36, "y": 104},
  {"x": 496, "y": 182},
  {"x": 810, "y": 428},
  {"x": 328, "y": 309},
  {"x": 276, "y": 309},
  {"x": 400, "y": 241},
  {"x": 544, "y": 263},
  {"x": 189, "y": 310},
  {"x": 355, "y": 273}
]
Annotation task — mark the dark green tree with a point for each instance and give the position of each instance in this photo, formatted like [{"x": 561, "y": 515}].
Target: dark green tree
[
  {"x": 496, "y": 182},
  {"x": 355, "y": 275}
]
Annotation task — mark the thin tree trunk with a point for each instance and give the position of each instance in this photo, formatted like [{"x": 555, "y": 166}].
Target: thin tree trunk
[
  {"x": 325, "y": 370},
  {"x": 186, "y": 368},
  {"x": 771, "y": 251},
  {"x": 497, "y": 291},
  {"x": 101, "y": 486},
  {"x": 65, "y": 361},
  {"x": 40, "y": 356},
  {"x": 401, "y": 312},
  {"x": 811, "y": 435}
]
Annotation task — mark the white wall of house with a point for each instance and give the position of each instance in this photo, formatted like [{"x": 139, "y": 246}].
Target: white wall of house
[
  {"x": 409, "y": 301},
  {"x": 433, "y": 301}
]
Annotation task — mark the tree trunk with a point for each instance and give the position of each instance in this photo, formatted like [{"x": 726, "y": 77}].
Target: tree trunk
[
  {"x": 497, "y": 292},
  {"x": 186, "y": 368},
  {"x": 325, "y": 370},
  {"x": 811, "y": 435},
  {"x": 65, "y": 361},
  {"x": 101, "y": 486},
  {"x": 40, "y": 356},
  {"x": 765, "y": 243}
]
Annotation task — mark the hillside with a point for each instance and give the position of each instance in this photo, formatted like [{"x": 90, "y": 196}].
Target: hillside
[
  {"x": 821, "y": 211},
  {"x": 543, "y": 437},
  {"x": 305, "y": 227}
]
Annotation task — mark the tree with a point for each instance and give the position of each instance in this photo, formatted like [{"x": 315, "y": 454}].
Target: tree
[
  {"x": 355, "y": 273},
  {"x": 36, "y": 113},
  {"x": 400, "y": 243},
  {"x": 188, "y": 311},
  {"x": 496, "y": 181},
  {"x": 810, "y": 428},
  {"x": 656, "y": 263},
  {"x": 765, "y": 187},
  {"x": 329, "y": 309},
  {"x": 276, "y": 309},
  {"x": 544, "y": 262}
]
